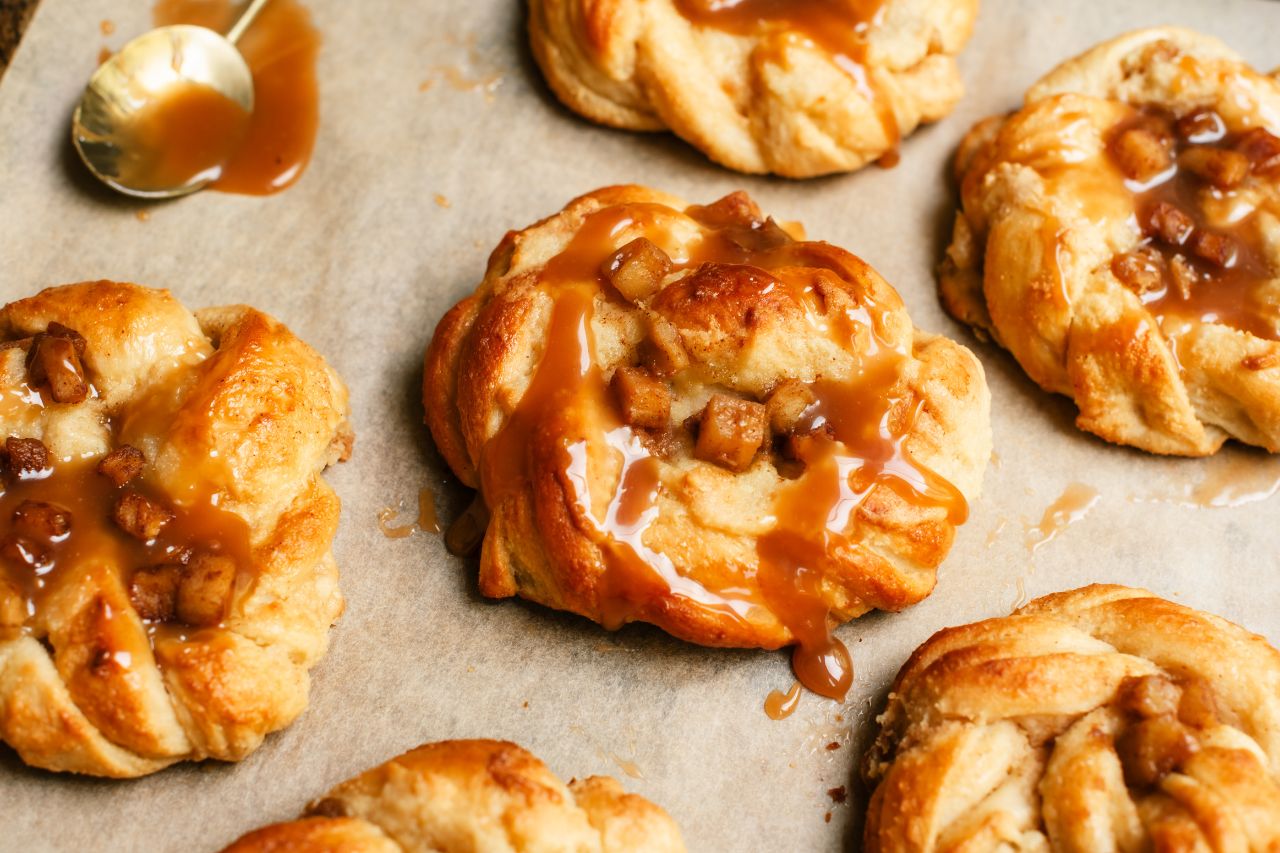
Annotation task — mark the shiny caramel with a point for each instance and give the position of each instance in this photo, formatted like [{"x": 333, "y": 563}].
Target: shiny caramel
[
  {"x": 40, "y": 566},
  {"x": 853, "y": 432},
  {"x": 280, "y": 48},
  {"x": 72, "y": 525},
  {"x": 185, "y": 136}
]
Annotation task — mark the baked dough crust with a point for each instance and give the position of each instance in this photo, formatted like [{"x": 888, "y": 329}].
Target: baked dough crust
[
  {"x": 461, "y": 796},
  {"x": 763, "y": 102},
  {"x": 233, "y": 394},
  {"x": 542, "y": 545},
  {"x": 1033, "y": 732},
  {"x": 1042, "y": 216}
]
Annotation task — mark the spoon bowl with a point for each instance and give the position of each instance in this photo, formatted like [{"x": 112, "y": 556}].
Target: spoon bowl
[{"x": 195, "y": 75}]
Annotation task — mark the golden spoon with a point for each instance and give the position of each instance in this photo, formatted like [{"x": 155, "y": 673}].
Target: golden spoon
[{"x": 159, "y": 118}]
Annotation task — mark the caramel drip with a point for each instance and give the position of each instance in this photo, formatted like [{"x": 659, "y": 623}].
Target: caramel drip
[
  {"x": 779, "y": 705},
  {"x": 94, "y": 542},
  {"x": 1231, "y": 294},
  {"x": 868, "y": 417},
  {"x": 280, "y": 49},
  {"x": 838, "y": 27}
]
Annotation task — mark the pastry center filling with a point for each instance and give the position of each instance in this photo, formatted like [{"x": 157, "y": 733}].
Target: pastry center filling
[
  {"x": 832, "y": 441},
  {"x": 71, "y": 526},
  {"x": 1201, "y": 194},
  {"x": 1164, "y": 722},
  {"x": 839, "y": 27}
]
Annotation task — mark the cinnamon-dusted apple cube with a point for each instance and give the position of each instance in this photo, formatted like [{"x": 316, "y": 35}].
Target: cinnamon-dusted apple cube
[
  {"x": 154, "y": 592},
  {"x": 730, "y": 431},
  {"x": 57, "y": 330},
  {"x": 1149, "y": 696},
  {"x": 787, "y": 405},
  {"x": 1263, "y": 150},
  {"x": 122, "y": 464},
  {"x": 55, "y": 358},
  {"x": 645, "y": 400},
  {"x": 1169, "y": 223},
  {"x": 1201, "y": 127},
  {"x": 662, "y": 351},
  {"x": 28, "y": 457},
  {"x": 205, "y": 589},
  {"x": 1217, "y": 249},
  {"x": 1152, "y": 749},
  {"x": 802, "y": 445},
  {"x": 140, "y": 517},
  {"x": 1141, "y": 270},
  {"x": 1198, "y": 706},
  {"x": 1223, "y": 168},
  {"x": 637, "y": 269},
  {"x": 736, "y": 208},
  {"x": 1142, "y": 154},
  {"x": 41, "y": 520}
]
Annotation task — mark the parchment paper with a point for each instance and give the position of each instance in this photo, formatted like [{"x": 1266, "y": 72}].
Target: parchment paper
[{"x": 439, "y": 97}]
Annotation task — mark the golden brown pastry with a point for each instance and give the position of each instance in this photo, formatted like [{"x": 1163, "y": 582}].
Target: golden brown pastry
[
  {"x": 1098, "y": 719},
  {"x": 798, "y": 88},
  {"x": 166, "y": 579},
  {"x": 1119, "y": 235},
  {"x": 688, "y": 416},
  {"x": 460, "y": 796}
]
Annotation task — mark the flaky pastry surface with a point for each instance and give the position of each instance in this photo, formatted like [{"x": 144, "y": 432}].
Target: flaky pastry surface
[
  {"x": 225, "y": 411},
  {"x": 472, "y": 796},
  {"x": 1047, "y": 219},
  {"x": 739, "y": 332},
  {"x": 1103, "y": 718},
  {"x": 768, "y": 98}
]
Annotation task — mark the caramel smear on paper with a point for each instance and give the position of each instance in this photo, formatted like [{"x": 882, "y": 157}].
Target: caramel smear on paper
[
  {"x": 1232, "y": 478},
  {"x": 1072, "y": 506},
  {"x": 426, "y": 521}
]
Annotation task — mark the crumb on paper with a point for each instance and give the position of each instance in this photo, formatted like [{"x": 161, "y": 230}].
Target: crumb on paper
[
  {"x": 143, "y": 215},
  {"x": 834, "y": 745},
  {"x": 106, "y": 27},
  {"x": 442, "y": 200},
  {"x": 826, "y": 818},
  {"x": 838, "y": 795}
]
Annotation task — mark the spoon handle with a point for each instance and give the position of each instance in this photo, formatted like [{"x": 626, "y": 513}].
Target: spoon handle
[{"x": 246, "y": 18}]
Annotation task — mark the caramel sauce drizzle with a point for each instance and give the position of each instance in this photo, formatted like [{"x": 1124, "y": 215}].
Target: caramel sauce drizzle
[
  {"x": 1229, "y": 293},
  {"x": 868, "y": 417},
  {"x": 838, "y": 27},
  {"x": 274, "y": 144},
  {"x": 94, "y": 554},
  {"x": 94, "y": 542}
]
